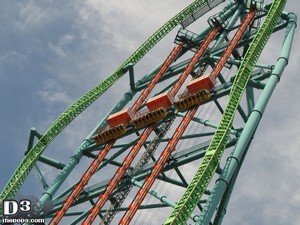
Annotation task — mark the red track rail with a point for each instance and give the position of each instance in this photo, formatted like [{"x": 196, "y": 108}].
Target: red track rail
[
  {"x": 172, "y": 56},
  {"x": 117, "y": 177},
  {"x": 101, "y": 155},
  {"x": 159, "y": 165},
  {"x": 211, "y": 36},
  {"x": 129, "y": 158},
  {"x": 235, "y": 40}
]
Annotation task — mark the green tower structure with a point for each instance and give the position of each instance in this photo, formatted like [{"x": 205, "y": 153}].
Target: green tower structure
[{"x": 213, "y": 91}]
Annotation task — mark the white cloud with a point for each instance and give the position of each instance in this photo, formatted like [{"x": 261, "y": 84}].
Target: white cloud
[
  {"x": 32, "y": 16},
  {"x": 52, "y": 94},
  {"x": 55, "y": 97},
  {"x": 60, "y": 48}
]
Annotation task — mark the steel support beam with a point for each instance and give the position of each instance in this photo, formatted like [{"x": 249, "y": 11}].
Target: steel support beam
[{"x": 234, "y": 161}]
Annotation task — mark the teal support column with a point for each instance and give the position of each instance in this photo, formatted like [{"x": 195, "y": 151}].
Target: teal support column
[
  {"x": 237, "y": 62},
  {"x": 250, "y": 99},
  {"x": 130, "y": 69},
  {"x": 81, "y": 217},
  {"x": 34, "y": 134},
  {"x": 234, "y": 161},
  {"x": 253, "y": 84},
  {"x": 225, "y": 198},
  {"x": 155, "y": 194},
  {"x": 41, "y": 177},
  {"x": 52, "y": 162},
  {"x": 209, "y": 123}
]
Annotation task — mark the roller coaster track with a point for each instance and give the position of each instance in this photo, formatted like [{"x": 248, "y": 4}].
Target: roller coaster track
[
  {"x": 83, "y": 102},
  {"x": 211, "y": 160},
  {"x": 214, "y": 153},
  {"x": 120, "y": 197},
  {"x": 146, "y": 133},
  {"x": 99, "y": 159},
  {"x": 165, "y": 155}
]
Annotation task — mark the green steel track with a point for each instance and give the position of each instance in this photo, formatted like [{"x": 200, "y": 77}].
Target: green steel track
[
  {"x": 82, "y": 103},
  {"x": 211, "y": 160}
]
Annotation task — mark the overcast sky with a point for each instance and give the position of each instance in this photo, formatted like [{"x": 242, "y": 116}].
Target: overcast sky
[{"x": 51, "y": 52}]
